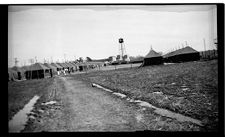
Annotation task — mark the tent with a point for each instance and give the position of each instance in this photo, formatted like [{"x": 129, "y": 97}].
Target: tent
[
  {"x": 71, "y": 67},
  {"x": 37, "y": 71},
  {"x": 64, "y": 66},
  {"x": 58, "y": 67},
  {"x": 82, "y": 66},
  {"x": 20, "y": 72},
  {"x": 152, "y": 58},
  {"x": 12, "y": 75},
  {"x": 182, "y": 55},
  {"x": 53, "y": 69},
  {"x": 75, "y": 66}
]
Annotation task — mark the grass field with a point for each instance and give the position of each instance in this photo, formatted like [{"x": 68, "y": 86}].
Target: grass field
[
  {"x": 188, "y": 88},
  {"x": 20, "y": 93}
]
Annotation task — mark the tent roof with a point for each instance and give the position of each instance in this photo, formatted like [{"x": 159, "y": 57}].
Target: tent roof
[
  {"x": 10, "y": 70},
  {"x": 73, "y": 64},
  {"x": 25, "y": 68},
  {"x": 49, "y": 66},
  {"x": 63, "y": 65},
  {"x": 38, "y": 66},
  {"x": 184, "y": 50},
  {"x": 17, "y": 69},
  {"x": 56, "y": 65},
  {"x": 152, "y": 54},
  {"x": 69, "y": 65}
]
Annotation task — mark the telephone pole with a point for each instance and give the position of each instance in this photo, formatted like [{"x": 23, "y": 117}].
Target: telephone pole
[{"x": 16, "y": 62}]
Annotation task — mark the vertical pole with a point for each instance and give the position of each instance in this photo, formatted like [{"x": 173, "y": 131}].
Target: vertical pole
[
  {"x": 122, "y": 50},
  {"x": 204, "y": 47},
  {"x": 186, "y": 43}
]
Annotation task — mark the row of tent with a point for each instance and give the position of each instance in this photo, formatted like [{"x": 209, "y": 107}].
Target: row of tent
[
  {"x": 181, "y": 55},
  {"x": 39, "y": 70}
]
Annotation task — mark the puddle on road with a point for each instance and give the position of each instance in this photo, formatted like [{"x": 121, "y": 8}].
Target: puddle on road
[
  {"x": 19, "y": 120},
  {"x": 49, "y": 103},
  {"x": 119, "y": 94},
  {"x": 160, "y": 111},
  {"x": 98, "y": 86},
  {"x": 177, "y": 116},
  {"x": 184, "y": 89}
]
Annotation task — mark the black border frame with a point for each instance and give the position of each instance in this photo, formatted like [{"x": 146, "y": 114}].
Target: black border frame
[{"x": 221, "y": 63}]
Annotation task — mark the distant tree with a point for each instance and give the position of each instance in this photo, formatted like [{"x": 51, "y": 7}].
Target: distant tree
[
  {"x": 81, "y": 59},
  {"x": 160, "y": 53},
  {"x": 88, "y": 59},
  {"x": 135, "y": 58}
]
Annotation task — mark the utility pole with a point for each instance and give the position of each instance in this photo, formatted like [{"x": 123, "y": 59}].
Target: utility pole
[
  {"x": 51, "y": 59},
  {"x": 186, "y": 43},
  {"x": 36, "y": 59},
  {"x": 65, "y": 57},
  {"x": 204, "y": 47},
  {"x": 16, "y": 62}
]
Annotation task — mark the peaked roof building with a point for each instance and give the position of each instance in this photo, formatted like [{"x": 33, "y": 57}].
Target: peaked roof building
[
  {"x": 38, "y": 66},
  {"x": 185, "y": 50},
  {"x": 182, "y": 55},
  {"x": 152, "y": 58},
  {"x": 152, "y": 54}
]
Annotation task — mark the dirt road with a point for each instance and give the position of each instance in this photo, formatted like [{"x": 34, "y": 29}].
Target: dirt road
[{"x": 85, "y": 108}]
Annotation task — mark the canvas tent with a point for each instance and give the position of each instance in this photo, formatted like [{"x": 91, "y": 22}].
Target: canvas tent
[
  {"x": 64, "y": 66},
  {"x": 71, "y": 67},
  {"x": 82, "y": 66},
  {"x": 20, "y": 72},
  {"x": 58, "y": 67},
  {"x": 152, "y": 58},
  {"x": 182, "y": 55},
  {"x": 53, "y": 69},
  {"x": 75, "y": 66},
  {"x": 12, "y": 75},
  {"x": 37, "y": 71}
]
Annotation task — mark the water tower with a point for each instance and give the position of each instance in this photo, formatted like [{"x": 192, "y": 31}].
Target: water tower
[{"x": 121, "y": 48}]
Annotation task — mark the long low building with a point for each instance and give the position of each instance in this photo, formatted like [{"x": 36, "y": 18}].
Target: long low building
[
  {"x": 37, "y": 71},
  {"x": 182, "y": 55}
]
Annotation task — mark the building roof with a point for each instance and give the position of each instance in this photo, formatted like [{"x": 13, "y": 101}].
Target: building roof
[
  {"x": 69, "y": 65},
  {"x": 38, "y": 66},
  {"x": 17, "y": 69},
  {"x": 56, "y": 65},
  {"x": 62, "y": 65},
  {"x": 73, "y": 64},
  {"x": 25, "y": 68},
  {"x": 152, "y": 54},
  {"x": 185, "y": 50},
  {"x": 50, "y": 66}
]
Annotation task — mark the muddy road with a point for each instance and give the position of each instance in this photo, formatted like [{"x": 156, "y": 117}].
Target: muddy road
[{"x": 81, "y": 107}]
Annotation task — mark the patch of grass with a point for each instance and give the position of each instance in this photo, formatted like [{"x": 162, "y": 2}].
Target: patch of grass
[
  {"x": 20, "y": 93},
  {"x": 189, "y": 88}
]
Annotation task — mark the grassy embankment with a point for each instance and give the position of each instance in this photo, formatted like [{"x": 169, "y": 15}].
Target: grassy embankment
[
  {"x": 188, "y": 88},
  {"x": 20, "y": 93}
]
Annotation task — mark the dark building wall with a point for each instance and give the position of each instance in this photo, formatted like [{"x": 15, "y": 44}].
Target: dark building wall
[
  {"x": 153, "y": 61},
  {"x": 37, "y": 74},
  {"x": 183, "y": 58}
]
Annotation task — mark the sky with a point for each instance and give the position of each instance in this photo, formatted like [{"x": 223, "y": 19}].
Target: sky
[{"x": 70, "y": 32}]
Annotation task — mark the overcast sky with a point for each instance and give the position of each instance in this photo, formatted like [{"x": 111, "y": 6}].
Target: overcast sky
[{"x": 93, "y": 31}]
